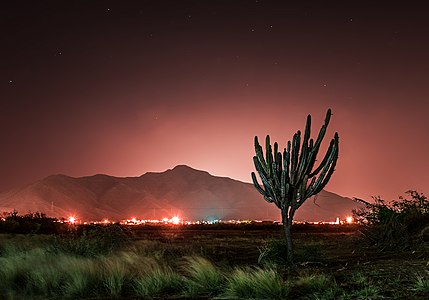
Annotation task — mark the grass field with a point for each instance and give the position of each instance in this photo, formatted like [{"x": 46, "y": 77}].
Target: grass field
[{"x": 207, "y": 263}]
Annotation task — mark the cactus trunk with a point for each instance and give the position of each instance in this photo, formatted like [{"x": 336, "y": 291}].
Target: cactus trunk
[{"x": 287, "y": 227}]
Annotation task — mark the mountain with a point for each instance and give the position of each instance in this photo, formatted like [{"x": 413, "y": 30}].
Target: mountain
[{"x": 191, "y": 194}]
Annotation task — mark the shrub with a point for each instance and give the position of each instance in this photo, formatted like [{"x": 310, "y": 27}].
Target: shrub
[{"x": 397, "y": 224}]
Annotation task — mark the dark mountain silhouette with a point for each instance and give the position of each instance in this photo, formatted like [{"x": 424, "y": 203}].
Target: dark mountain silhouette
[{"x": 183, "y": 191}]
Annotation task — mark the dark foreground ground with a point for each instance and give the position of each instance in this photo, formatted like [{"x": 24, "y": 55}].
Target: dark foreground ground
[
  {"x": 332, "y": 262},
  {"x": 339, "y": 251}
]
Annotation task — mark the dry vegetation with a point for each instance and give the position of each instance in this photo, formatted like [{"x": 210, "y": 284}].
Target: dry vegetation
[{"x": 206, "y": 263}]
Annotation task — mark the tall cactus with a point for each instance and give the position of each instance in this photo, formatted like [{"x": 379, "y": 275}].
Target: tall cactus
[{"x": 289, "y": 179}]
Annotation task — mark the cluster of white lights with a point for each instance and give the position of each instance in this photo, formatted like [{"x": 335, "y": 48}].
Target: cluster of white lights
[
  {"x": 134, "y": 221},
  {"x": 74, "y": 220},
  {"x": 347, "y": 220}
]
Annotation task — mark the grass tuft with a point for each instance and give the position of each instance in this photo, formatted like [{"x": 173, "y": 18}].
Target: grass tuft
[
  {"x": 368, "y": 292},
  {"x": 160, "y": 282},
  {"x": 82, "y": 277},
  {"x": 115, "y": 275},
  {"x": 255, "y": 284},
  {"x": 421, "y": 284},
  {"x": 359, "y": 279},
  {"x": 203, "y": 277},
  {"x": 313, "y": 283}
]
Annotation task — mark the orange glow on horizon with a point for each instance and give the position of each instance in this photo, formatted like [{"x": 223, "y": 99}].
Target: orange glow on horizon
[
  {"x": 72, "y": 219},
  {"x": 349, "y": 219},
  {"x": 175, "y": 220}
]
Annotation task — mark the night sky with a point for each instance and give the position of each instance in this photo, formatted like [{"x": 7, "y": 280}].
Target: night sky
[{"x": 127, "y": 87}]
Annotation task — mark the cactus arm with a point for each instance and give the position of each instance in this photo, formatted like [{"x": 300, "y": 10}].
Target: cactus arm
[
  {"x": 333, "y": 159},
  {"x": 310, "y": 187},
  {"x": 302, "y": 189},
  {"x": 279, "y": 163},
  {"x": 286, "y": 161},
  {"x": 270, "y": 193},
  {"x": 311, "y": 158},
  {"x": 276, "y": 179},
  {"x": 303, "y": 159},
  {"x": 283, "y": 186},
  {"x": 257, "y": 185},
  {"x": 258, "y": 166},
  {"x": 322, "y": 133},
  {"x": 260, "y": 155},
  {"x": 269, "y": 155},
  {"x": 327, "y": 171},
  {"x": 296, "y": 141},
  {"x": 276, "y": 150},
  {"x": 328, "y": 116},
  {"x": 325, "y": 159},
  {"x": 319, "y": 180}
]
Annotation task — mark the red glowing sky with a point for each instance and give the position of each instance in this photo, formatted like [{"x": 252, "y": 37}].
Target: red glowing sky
[{"x": 127, "y": 87}]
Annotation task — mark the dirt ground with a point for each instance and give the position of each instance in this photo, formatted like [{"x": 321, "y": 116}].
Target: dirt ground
[{"x": 341, "y": 254}]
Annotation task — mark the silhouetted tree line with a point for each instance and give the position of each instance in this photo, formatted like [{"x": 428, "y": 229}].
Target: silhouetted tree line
[{"x": 31, "y": 223}]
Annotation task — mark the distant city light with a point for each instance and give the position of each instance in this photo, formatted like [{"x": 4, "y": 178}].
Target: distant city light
[{"x": 176, "y": 220}]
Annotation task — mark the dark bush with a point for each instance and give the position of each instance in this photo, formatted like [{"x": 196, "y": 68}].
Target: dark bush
[
  {"x": 31, "y": 223},
  {"x": 398, "y": 224}
]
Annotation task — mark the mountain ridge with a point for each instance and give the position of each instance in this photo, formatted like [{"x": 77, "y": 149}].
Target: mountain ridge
[{"x": 190, "y": 193}]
